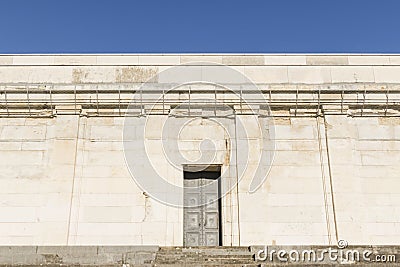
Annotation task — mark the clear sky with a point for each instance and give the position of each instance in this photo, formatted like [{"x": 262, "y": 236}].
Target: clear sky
[{"x": 201, "y": 26}]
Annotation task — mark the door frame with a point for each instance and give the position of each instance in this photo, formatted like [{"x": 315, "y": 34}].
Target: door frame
[{"x": 190, "y": 171}]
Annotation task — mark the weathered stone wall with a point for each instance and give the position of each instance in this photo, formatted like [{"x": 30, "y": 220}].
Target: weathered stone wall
[
  {"x": 45, "y": 160},
  {"x": 262, "y": 69},
  {"x": 64, "y": 180}
]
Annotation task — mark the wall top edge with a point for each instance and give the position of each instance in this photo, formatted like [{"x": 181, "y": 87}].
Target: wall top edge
[
  {"x": 202, "y": 54},
  {"x": 177, "y": 59}
]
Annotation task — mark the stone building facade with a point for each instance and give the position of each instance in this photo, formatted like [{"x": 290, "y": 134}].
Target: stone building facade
[{"x": 331, "y": 128}]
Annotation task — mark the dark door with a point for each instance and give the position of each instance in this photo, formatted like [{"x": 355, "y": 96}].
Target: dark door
[{"x": 201, "y": 212}]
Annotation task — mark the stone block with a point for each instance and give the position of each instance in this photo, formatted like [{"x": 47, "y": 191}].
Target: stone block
[
  {"x": 222, "y": 75},
  {"x": 294, "y": 214},
  {"x": 267, "y": 74},
  {"x": 204, "y": 59},
  {"x": 298, "y": 171},
  {"x": 109, "y": 229},
  {"x": 394, "y": 60},
  {"x": 21, "y": 158},
  {"x": 381, "y": 185},
  {"x": 55, "y": 186},
  {"x": 21, "y": 200},
  {"x": 66, "y": 127},
  {"x": 106, "y": 132},
  {"x": 55, "y": 213},
  {"x": 12, "y": 146},
  {"x": 35, "y": 74},
  {"x": 295, "y": 186},
  {"x": 158, "y": 60},
  {"x": 295, "y": 229},
  {"x": 152, "y": 229},
  {"x": 290, "y": 158},
  {"x": 117, "y": 60},
  {"x": 341, "y": 127},
  {"x": 288, "y": 132},
  {"x": 136, "y": 74},
  {"x": 112, "y": 200},
  {"x": 23, "y": 133},
  {"x": 383, "y": 214},
  {"x": 283, "y": 145},
  {"x": 309, "y": 74},
  {"x": 352, "y": 74},
  {"x": 181, "y": 74},
  {"x": 295, "y": 199},
  {"x": 108, "y": 185},
  {"x": 18, "y": 250},
  {"x": 63, "y": 152},
  {"x": 305, "y": 145},
  {"x": 285, "y": 60},
  {"x": 34, "y": 60},
  {"x": 6, "y": 60},
  {"x": 369, "y": 60},
  {"x": 52, "y": 233},
  {"x": 85, "y": 74},
  {"x": 18, "y": 214},
  {"x": 19, "y": 186},
  {"x": 105, "y": 214},
  {"x": 377, "y": 145},
  {"x": 347, "y": 183},
  {"x": 379, "y": 171},
  {"x": 25, "y": 259},
  {"x": 371, "y": 132},
  {"x": 17, "y": 240},
  {"x": 382, "y": 228},
  {"x": 243, "y": 60},
  {"x": 26, "y": 145},
  {"x": 155, "y": 211},
  {"x": 327, "y": 60},
  {"x": 68, "y": 250},
  {"x": 386, "y": 74},
  {"x": 17, "y": 229},
  {"x": 75, "y": 60},
  {"x": 13, "y": 121},
  {"x": 109, "y": 158}
]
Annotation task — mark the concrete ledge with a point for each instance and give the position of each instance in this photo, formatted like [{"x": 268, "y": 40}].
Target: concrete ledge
[
  {"x": 199, "y": 256},
  {"x": 77, "y": 255},
  {"x": 175, "y": 59}
]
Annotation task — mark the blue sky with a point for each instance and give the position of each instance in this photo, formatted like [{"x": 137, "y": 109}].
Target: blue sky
[{"x": 201, "y": 26}]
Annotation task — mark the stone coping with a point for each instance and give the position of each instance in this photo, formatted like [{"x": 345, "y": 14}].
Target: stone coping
[
  {"x": 147, "y": 255},
  {"x": 176, "y": 59}
]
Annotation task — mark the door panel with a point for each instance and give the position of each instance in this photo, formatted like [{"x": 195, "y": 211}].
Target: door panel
[
  {"x": 193, "y": 220},
  {"x": 192, "y": 239},
  {"x": 193, "y": 216},
  {"x": 211, "y": 239},
  {"x": 201, "y": 222},
  {"x": 211, "y": 221}
]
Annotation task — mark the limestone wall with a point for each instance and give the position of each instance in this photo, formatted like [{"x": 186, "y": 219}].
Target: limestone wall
[
  {"x": 263, "y": 69},
  {"x": 64, "y": 180}
]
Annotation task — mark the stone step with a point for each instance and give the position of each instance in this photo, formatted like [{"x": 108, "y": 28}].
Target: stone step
[
  {"x": 207, "y": 251},
  {"x": 204, "y": 253},
  {"x": 205, "y": 256},
  {"x": 226, "y": 261},
  {"x": 208, "y": 265},
  {"x": 235, "y": 248},
  {"x": 184, "y": 255},
  {"x": 199, "y": 256},
  {"x": 214, "y": 261}
]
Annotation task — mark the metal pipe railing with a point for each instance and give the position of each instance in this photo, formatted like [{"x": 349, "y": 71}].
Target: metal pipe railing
[{"x": 48, "y": 100}]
